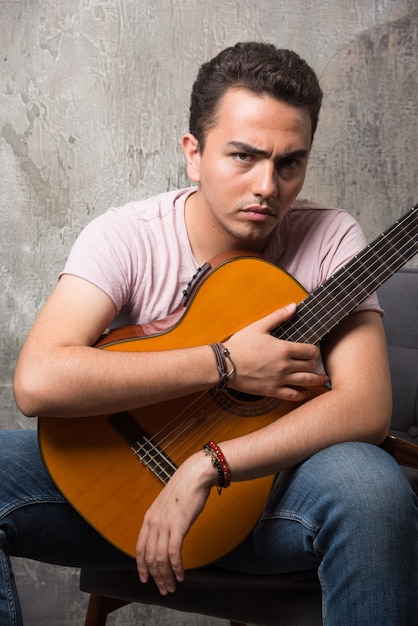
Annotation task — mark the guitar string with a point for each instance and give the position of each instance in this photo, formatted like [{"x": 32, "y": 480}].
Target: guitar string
[{"x": 221, "y": 413}]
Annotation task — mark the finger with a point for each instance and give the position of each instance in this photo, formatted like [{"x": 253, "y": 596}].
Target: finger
[
  {"x": 161, "y": 569},
  {"x": 298, "y": 364},
  {"x": 175, "y": 556},
  {"x": 167, "y": 566},
  {"x": 292, "y": 394},
  {"x": 297, "y": 387},
  {"x": 293, "y": 362},
  {"x": 156, "y": 569},
  {"x": 273, "y": 320},
  {"x": 306, "y": 379},
  {"x": 146, "y": 550},
  {"x": 141, "y": 564},
  {"x": 163, "y": 578}
]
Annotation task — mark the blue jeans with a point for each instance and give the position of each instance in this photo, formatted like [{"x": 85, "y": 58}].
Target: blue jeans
[{"x": 348, "y": 510}]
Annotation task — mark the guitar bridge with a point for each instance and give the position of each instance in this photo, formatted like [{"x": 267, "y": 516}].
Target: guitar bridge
[{"x": 143, "y": 446}]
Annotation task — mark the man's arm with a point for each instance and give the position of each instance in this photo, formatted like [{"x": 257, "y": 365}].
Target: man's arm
[{"x": 60, "y": 374}]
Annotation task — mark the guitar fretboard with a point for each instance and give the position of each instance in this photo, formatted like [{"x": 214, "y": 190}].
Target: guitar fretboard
[
  {"x": 143, "y": 446},
  {"x": 331, "y": 302}
]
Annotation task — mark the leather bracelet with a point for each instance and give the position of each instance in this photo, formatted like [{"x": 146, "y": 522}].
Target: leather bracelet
[{"x": 221, "y": 354}]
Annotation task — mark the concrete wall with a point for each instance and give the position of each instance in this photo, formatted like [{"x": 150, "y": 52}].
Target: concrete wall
[{"x": 93, "y": 102}]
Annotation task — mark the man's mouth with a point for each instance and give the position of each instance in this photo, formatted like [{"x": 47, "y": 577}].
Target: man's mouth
[{"x": 259, "y": 212}]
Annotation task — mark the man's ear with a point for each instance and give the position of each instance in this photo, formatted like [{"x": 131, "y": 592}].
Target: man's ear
[{"x": 191, "y": 151}]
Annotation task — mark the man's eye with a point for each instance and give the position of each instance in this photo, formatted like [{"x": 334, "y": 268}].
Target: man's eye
[
  {"x": 289, "y": 164},
  {"x": 243, "y": 157}
]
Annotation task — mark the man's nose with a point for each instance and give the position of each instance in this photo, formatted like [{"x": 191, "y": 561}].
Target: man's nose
[{"x": 265, "y": 180}]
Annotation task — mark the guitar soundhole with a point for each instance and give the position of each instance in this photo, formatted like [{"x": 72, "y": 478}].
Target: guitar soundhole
[
  {"x": 243, "y": 397},
  {"x": 243, "y": 404}
]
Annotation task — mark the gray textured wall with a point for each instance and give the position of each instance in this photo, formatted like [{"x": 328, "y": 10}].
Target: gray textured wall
[{"x": 93, "y": 102}]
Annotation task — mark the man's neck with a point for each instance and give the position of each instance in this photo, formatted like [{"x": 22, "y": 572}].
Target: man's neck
[{"x": 208, "y": 240}]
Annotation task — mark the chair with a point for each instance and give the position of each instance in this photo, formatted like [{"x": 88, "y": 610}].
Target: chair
[
  {"x": 399, "y": 298},
  {"x": 244, "y": 598}
]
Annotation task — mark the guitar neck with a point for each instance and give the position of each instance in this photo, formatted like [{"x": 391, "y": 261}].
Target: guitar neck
[{"x": 331, "y": 302}]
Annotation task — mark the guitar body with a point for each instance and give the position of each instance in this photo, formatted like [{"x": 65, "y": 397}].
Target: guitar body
[{"x": 96, "y": 469}]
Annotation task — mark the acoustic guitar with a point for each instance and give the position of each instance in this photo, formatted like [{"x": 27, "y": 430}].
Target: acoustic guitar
[{"x": 112, "y": 467}]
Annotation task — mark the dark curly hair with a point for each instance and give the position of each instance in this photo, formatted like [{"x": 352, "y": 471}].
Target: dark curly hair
[{"x": 259, "y": 67}]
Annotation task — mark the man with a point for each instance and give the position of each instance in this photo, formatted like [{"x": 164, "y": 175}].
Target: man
[{"x": 347, "y": 508}]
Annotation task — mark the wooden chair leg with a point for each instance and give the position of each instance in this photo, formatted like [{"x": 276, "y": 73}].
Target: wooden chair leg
[{"x": 99, "y": 608}]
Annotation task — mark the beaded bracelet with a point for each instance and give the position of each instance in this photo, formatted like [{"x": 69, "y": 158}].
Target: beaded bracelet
[
  {"x": 221, "y": 354},
  {"x": 218, "y": 460}
]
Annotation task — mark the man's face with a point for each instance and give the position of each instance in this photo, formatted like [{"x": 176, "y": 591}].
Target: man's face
[{"x": 252, "y": 167}]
